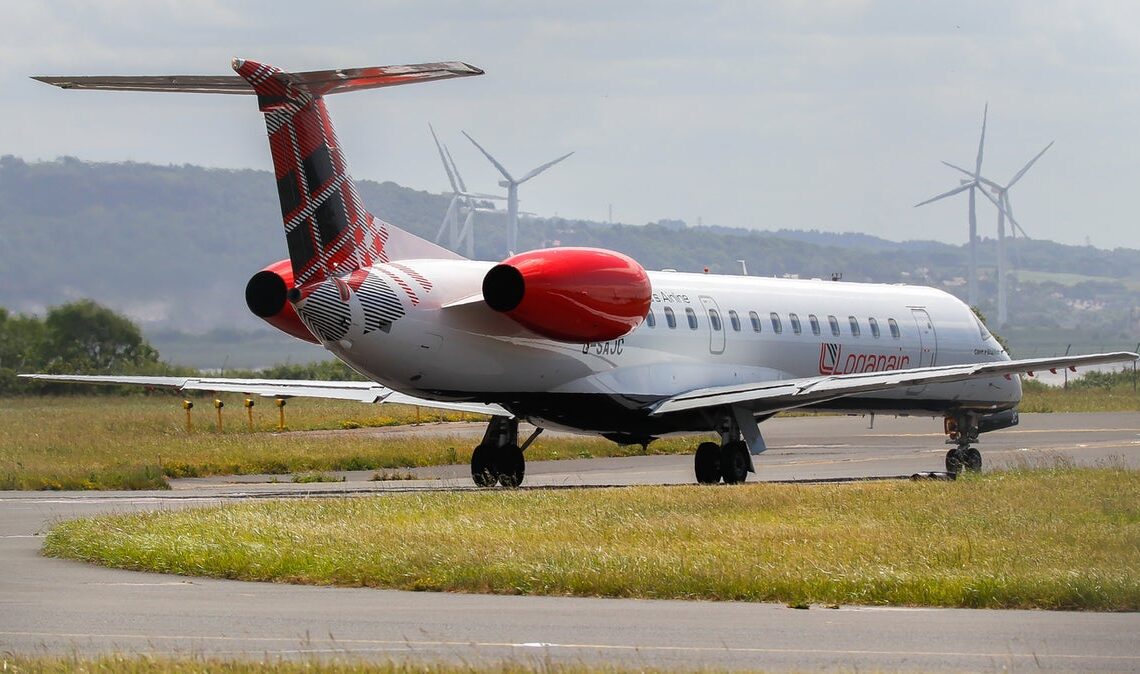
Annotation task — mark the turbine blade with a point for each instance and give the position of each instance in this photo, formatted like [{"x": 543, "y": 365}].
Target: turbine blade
[
  {"x": 446, "y": 167},
  {"x": 982, "y": 141},
  {"x": 502, "y": 169},
  {"x": 454, "y": 168},
  {"x": 956, "y": 190},
  {"x": 1017, "y": 176},
  {"x": 542, "y": 168},
  {"x": 981, "y": 179},
  {"x": 1002, "y": 210},
  {"x": 957, "y": 168}
]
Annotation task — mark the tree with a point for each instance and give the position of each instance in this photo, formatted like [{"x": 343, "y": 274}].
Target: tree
[{"x": 85, "y": 336}]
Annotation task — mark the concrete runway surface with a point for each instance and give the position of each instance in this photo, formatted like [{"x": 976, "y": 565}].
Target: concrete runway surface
[{"x": 63, "y": 607}]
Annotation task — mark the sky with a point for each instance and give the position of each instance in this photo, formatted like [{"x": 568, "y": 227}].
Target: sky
[{"x": 829, "y": 115}]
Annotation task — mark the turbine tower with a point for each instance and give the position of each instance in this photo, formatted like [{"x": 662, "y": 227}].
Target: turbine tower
[
  {"x": 973, "y": 184},
  {"x": 512, "y": 186},
  {"x": 461, "y": 201},
  {"x": 1005, "y": 210}
]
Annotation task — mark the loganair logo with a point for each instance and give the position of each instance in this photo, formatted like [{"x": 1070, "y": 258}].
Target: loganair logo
[{"x": 832, "y": 360}]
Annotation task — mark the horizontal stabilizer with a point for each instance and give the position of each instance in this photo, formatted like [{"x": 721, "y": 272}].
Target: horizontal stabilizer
[{"x": 316, "y": 82}]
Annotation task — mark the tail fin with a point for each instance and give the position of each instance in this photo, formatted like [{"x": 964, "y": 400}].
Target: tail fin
[{"x": 327, "y": 230}]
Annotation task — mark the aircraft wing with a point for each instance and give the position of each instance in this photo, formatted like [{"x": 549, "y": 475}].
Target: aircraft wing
[
  {"x": 360, "y": 391},
  {"x": 774, "y": 396}
]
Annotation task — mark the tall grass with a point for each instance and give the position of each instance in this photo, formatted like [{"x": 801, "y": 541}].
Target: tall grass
[{"x": 1054, "y": 539}]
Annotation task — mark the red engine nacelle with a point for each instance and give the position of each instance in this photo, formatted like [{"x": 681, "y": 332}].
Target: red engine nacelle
[
  {"x": 571, "y": 294},
  {"x": 267, "y": 296}
]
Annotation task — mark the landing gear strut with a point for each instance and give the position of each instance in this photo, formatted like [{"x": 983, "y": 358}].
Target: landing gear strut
[
  {"x": 499, "y": 459},
  {"x": 962, "y": 432},
  {"x": 731, "y": 460}
]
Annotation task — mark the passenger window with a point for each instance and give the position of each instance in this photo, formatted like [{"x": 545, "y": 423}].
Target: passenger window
[
  {"x": 855, "y": 332},
  {"x": 650, "y": 319},
  {"x": 874, "y": 327},
  {"x": 714, "y": 319},
  {"x": 894, "y": 328},
  {"x": 670, "y": 318},
  {"x": 734, "y": 318},
  {"x": 755, "y": 321},
  {"x": 814, "y": 324},
  {"x": 834, "y": 325},
  {"x": 795, "y": 323},
  {"x": 777, "y": 325},
  {"x": 692, "y": 316}
]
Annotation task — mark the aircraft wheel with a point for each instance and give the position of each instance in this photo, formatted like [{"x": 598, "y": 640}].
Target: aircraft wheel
[
  {"x": 706, "y": 463},
  {"x": 482, "y": 467},
  {"x": 955, "y": 461},
  {"x": 972, "y": 458},
  {"x": 510, "y": 466},
  {"x": 734, "y": 462}
]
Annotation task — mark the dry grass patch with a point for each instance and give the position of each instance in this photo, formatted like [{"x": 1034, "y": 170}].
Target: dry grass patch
[{"x": 1054, "y": 539}]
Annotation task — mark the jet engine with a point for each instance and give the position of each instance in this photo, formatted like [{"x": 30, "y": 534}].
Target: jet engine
[
  {"x": 570, "y": 294},
  {"x": 266, "y": 295}
]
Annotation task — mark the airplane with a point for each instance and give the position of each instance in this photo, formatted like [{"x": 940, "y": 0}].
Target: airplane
[{"x": 579, "y": 338}]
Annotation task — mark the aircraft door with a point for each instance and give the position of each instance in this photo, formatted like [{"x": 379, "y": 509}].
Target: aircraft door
[
  {"x": 716, "y": 324},
  {"x": 927, "y": 338},
  {"x": 927, "y": 345}
]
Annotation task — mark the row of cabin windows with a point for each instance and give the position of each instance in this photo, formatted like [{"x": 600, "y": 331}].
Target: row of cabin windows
[{"x": 776, "y": 321}]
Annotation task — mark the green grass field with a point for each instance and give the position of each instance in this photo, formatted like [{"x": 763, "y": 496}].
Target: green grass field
[
  {"x": 137, "y": 442},
  {"x": 191, "y": 665},
  {"x": 1049, "y": 538}
]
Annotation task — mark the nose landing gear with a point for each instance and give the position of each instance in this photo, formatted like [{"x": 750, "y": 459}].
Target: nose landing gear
[{"x": 962, "y": 431}]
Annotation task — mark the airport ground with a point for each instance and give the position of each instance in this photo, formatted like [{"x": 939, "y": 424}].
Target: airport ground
[{"x": 57, "y": 606}]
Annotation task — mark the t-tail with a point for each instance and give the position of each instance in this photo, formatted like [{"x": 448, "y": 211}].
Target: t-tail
[{"x": 327, "y": 229}]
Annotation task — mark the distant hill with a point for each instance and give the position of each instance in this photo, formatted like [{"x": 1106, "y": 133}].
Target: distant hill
[{"x": 173, "y": 246}]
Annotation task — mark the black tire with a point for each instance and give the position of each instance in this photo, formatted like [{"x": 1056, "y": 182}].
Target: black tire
[
  {"x": 706, "y": 463},
  {"x": 734, "y": 462},
  {"x": 510, "y": 466},
  {"x": 482, "y": 467},
  {"x": 955, "y": 461},
  {"x": 973, "y": 460}
]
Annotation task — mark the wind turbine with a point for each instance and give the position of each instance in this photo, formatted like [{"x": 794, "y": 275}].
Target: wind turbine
[
  {"x": 512, "y": 186},
  {"x": 1005, "y": 210},
  {"x": 972, "y": 184},
  {"x": 461, "y": 200}
]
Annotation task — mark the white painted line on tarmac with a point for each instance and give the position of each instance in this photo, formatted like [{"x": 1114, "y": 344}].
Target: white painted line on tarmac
[{"x": 1128, "y": 660}]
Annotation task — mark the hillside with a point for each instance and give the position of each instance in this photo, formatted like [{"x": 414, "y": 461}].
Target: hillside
[{"x": 172, "y": 246}]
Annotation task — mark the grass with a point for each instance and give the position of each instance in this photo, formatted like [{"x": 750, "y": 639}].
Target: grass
[
  {"x": 138, "y": 442},
  {"x": 142, "y": 664},
  {"x": 1060, "y": 538},
  {"x": 1038, "y": 397},
  {"x": 81, "y": 442}
]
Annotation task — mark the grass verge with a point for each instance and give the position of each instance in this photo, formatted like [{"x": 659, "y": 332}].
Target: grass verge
[
  {"x": 1051, "y": 539},
  {"x": 120, "y": 664},
  {"x": 138, "y": 442}
]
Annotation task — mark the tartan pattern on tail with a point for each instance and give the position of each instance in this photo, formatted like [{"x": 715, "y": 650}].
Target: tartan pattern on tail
[{"x": 327, "y": 230}]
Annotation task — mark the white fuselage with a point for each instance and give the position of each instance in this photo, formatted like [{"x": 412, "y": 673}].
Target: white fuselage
[{"x": 725, "y": 330}]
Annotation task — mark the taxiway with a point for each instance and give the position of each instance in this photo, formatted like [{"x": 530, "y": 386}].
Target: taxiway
[{"x": 58, "y": 606}]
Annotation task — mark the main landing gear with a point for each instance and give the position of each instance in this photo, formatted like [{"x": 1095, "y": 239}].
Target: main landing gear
[
  {"x": 499, "y": 459},
  {"x": 731, "y": 460},
  {"x": 962, "y": 431}
]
